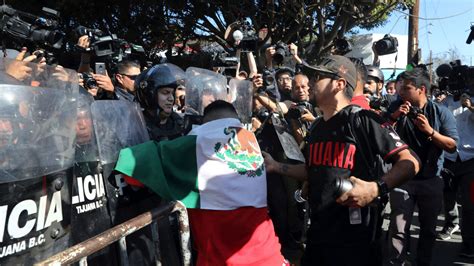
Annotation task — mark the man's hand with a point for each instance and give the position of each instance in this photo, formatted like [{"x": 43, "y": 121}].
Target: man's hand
[
  {"x": 83, "y": 42},
  {"x": 270, "y": 164},
  {"x": 294, "y": 52},
  {"x": 269, "y": 56},
  {"x": 307, "y": 116},
  {"x": 19, "y": 68},
  {"x": 423, "y": 124},
  {"x": 466, "y": 101},
  {"x": 104, "y": 82},
  {"x": 402, "y": 110},
  {"x": 60, "y": 74},
  {"x": 256, "y": 123},
  {"x": 360, "y": 195},
  {"x": 257, "y": 82}
]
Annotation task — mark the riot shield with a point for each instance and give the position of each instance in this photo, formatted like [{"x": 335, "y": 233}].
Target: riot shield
[
  {"x": 120, "y": 124},
  {"x": 240, "y": 95},
  {"x": 37, "y": 132},
  {"x": 202, "y": 88}
]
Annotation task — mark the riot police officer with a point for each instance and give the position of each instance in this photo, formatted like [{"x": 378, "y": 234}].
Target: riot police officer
[{"x": 155, "y": 92}]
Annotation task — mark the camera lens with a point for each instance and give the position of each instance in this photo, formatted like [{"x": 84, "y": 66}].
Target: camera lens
[{"x": 342, "y": 185}]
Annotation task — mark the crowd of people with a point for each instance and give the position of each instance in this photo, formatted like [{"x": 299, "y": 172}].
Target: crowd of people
[{"x": 365, "y": 141}]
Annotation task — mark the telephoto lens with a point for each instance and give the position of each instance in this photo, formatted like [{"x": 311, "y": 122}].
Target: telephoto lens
[{"x": 342, "y": 185}]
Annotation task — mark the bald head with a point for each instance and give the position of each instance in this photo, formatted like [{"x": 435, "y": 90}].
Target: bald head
[{"x": 300, "y": 90}]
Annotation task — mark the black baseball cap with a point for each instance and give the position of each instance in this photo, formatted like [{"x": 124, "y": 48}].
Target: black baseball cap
[{"x": 337, "y": 65}]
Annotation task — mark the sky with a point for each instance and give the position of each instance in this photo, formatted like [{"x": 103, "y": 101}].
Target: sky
[{"x": 447, "y": 26}]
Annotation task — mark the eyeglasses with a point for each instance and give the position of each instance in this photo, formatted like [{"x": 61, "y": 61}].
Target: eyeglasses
[
  {"x": 284, "y": 79},
  {"x": 132, "y": 77}
]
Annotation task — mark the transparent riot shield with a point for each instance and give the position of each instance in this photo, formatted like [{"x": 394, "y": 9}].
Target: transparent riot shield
[
  {"x": 37, "y": 134},
  {"x": 240, "y": 95},
  {"x": 38, "y": 106},
  {"x": 202, "y": 88},
  {"x": 120, "y": 124},
  {"x": 117, "y": 124}
]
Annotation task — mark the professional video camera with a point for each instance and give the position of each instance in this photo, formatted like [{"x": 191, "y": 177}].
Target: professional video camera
[
  {"x": 24, "y": 29},
  {"x": 455, "y": 78},
  {"x": 386, "y": 45},
  {"x": 281, "y": 51},
  {"x": 100, "y": 43},
  {"x": 246, "y": 37}
]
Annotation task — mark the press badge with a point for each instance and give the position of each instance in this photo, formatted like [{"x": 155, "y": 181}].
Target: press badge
[{"x": 355, "y": 215}]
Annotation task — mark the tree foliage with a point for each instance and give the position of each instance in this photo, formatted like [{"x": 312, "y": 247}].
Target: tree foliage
[{"x": 313, "y": 25}]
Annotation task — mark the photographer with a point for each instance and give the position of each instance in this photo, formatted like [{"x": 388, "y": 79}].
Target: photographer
[
  {"x": 342, "y": 227},
  {"x": 459, "y": 171},
  {"x": 98, "y": 85},
  {"x": 300, "y": 113},
  {"x": 127, "y": 72},
  {"x": 429, "y": 129}
]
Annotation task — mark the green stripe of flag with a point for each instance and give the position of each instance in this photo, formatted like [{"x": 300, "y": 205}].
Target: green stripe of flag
[{"x": 168, "y": 168}]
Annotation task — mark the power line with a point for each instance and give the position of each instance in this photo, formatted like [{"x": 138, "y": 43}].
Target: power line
[{"x": 455, "y": 15}]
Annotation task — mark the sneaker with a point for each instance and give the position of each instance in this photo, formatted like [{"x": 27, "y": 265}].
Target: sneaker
[{"x": 447, "y": 232}]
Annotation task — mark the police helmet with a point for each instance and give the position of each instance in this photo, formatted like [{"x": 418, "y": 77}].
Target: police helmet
[
  {"x": 151, "y": 80},
  {"x": 375, "y": 72}
]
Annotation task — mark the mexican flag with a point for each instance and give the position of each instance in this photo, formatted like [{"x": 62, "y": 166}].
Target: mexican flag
[
  {"x": 217, "y": 166},
  {"x": 217, "y": 171}
]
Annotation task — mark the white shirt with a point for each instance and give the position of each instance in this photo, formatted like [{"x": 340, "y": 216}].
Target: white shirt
[{"x": 465, "y": 125}]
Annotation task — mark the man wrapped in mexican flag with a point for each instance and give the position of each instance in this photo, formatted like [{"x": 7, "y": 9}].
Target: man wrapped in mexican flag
[{"x": 218, "y": 172}]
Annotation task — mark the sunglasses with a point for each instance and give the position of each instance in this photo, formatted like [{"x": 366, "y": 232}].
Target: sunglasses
[
  {"x": 132, "y": 77},
  {"x": 319, "y": 76}
]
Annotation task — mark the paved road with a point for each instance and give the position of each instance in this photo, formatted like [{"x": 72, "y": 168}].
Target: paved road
[{"x": 445, "y": 252}]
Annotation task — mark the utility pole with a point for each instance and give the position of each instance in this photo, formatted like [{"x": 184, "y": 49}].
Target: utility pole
[
  {"x": 431, "y": 67},
  {"x": 413, "y": 31}
]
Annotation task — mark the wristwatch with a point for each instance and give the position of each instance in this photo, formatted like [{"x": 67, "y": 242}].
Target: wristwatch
[{"x": 383, "y": 188}]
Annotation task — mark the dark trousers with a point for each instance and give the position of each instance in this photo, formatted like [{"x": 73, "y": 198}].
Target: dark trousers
[
  {"x": 464, "y": 172},
  {"x": 359, "y": 255},
  {"x": 451, "y": 184},
  {"x": 428, "y": 195}
]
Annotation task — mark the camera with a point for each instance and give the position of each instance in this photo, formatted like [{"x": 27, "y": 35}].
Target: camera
[
  {"x": 295, "y": 112},
  {"x": 341, "y": 186},
  {"x": 386, "y": 45},
  {"x": 378, "y": 103},
  {"x": 342, "y": 46},
  {"x": 100, "y": 43},
  {"x": 281, "y": 51},
  {"x": 88, "y": 81},
  {"x": 249, "y": 36},
  {"x": 471, "y": 35},
  {"x": 268, "y": 80},
  {"x": 224, "y": 60},
  {"x": 455, "y": 78},
  {"x": 24, "y": 27},
  {"x": 414, "y": 112}
]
